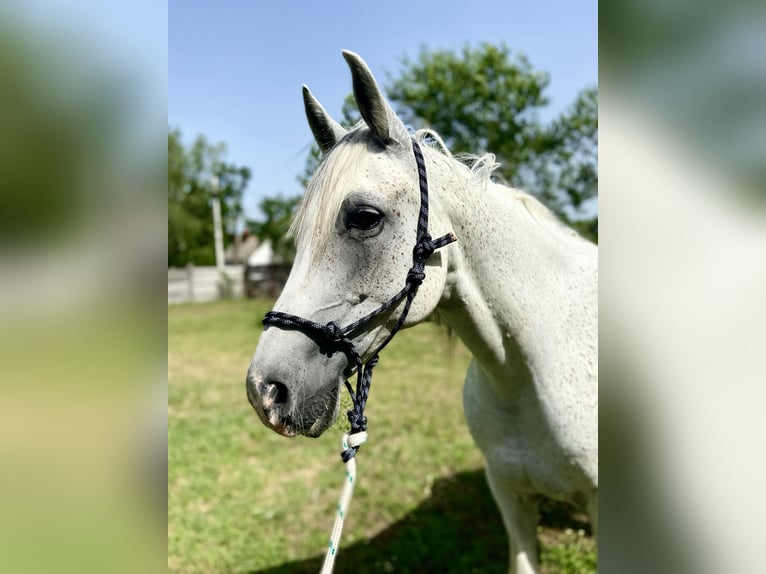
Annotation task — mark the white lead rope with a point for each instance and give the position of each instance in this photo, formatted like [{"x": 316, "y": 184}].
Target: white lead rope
[{"x": 349, "y": 441}]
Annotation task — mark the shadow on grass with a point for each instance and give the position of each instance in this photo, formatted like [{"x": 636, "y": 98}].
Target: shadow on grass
[{"x": 457, "y": 529}]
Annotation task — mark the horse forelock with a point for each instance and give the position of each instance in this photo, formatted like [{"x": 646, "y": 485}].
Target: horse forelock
[{"x": 327, "y": 189}]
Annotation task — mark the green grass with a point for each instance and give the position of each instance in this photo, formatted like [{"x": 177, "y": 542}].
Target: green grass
[{"x": 243, "y": 499}]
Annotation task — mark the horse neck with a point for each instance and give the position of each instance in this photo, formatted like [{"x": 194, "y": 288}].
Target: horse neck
[{"x": 520, "y": 286}]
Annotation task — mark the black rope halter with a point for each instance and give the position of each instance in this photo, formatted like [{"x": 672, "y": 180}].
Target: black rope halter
[{"x": 332, "y": 338}]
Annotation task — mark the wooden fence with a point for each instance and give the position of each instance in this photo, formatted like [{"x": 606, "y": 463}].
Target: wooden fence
[{"x": 200, "y": 284}]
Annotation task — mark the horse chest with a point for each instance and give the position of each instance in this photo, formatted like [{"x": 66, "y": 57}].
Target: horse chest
[{"x": 519, "y": 443}]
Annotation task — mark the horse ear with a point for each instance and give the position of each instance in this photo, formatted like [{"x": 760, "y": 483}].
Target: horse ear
[
  {"x": 326, "y": 130},
  {"x": 377, "y": 114}
]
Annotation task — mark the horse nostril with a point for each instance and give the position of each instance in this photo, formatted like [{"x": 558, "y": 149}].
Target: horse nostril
[{"x": 276, "y": 392}]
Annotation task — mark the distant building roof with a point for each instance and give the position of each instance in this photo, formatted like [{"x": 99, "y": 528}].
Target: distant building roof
[
  {"x": 239, "y": 253},
  {"x": 263, "y": 255}
]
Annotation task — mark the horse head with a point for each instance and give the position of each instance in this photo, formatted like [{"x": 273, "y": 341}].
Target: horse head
[{"x": 355, "y": 232}]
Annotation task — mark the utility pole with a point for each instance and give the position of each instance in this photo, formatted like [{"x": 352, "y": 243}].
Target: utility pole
[{"x": 217, "y": 231}]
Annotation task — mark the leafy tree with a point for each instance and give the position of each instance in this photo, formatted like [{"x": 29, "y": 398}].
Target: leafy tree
[
  {"x": 576, "y": 156},
  {"x": 278, "y": 213},
  {"x": 480, "y": 100},
  {"x": 564, "y": 174},
  {"x": 190, "y": 219},
  {"x": 489, "y": 99}
]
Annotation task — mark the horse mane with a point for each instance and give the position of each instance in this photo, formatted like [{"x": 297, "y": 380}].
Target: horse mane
[
  {"x": 478, "y": 171},
  {"x": 341, "y": 163}
]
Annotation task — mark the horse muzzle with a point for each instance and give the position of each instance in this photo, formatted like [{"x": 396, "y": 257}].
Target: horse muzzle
[
  {"x": 270, "y": 401},
  {"x": 286, "y": 411}
]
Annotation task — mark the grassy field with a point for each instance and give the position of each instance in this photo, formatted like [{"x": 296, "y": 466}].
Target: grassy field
[{"x": 243, "y": 499}]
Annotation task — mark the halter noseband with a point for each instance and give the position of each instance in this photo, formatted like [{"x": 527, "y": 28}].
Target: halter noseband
[{"x": 332, "y": 338}]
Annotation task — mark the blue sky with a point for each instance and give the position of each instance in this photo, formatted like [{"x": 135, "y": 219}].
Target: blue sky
[{"x": 235, "y": 68}]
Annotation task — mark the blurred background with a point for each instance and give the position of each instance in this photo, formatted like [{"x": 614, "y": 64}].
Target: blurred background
[
  {"x": 92, "y": 90},
  {"x": 83, "y": 88},
  {"x": 682, "y": 111}
]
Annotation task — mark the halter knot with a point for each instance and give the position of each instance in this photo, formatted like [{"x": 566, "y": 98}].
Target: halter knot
[
  {"x": 334, "y": 338},
  {"x": 415, "y": 277},
  {"x": 357, "y": 435},
  {"x": 424, "y": 248},
  {"x": 358, "y": 420}
]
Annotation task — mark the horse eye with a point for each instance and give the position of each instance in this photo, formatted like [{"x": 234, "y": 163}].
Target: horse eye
[{"x": 363, "y": 217}]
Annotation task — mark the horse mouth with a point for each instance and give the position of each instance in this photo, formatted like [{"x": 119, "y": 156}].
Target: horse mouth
[
  {"x": 283, "y": 427},
  {"x": 311, "y": 423},
  {"x": 325, "y": 417},
  {"x": 287, "y": 426}
]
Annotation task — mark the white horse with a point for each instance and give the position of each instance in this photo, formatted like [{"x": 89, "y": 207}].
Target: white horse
[{"x": 518, "y": 288}]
